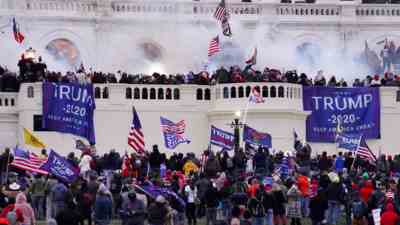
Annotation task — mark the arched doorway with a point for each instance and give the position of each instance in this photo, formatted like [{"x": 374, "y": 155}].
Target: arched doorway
[{"x": 63, "y": 55}]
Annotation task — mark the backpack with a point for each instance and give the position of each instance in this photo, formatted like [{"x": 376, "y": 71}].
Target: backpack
[{"x": 358, "y": 209}]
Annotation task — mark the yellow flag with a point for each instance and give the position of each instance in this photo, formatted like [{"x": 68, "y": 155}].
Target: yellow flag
[{"x": 32, "y": 140}]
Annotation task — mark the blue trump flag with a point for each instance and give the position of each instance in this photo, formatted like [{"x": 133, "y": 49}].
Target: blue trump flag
[
  {"x": 69, "y": 108},
  {"x": 356, "y": 109},
  {"x": 222, "y": 138},
  {"x": 254, "y": 137},
  {"x": 348, "y": 141},
  {"x": 173, "y": 133},
  {"x": 60, "y": 167}
]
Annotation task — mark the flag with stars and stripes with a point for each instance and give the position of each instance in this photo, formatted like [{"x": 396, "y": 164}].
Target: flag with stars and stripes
[
  {"x": 213, "y": 47},
  {"x": 136, "y": 137},
  {"x": 28, "y": 161},
  {"x": 364, "y": 152},
  {"x": 173, "y": 133}
]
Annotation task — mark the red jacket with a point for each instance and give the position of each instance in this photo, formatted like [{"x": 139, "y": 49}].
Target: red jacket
[
  {"x": 389, "y": 217},
  {"x": 366, "y": 191}
]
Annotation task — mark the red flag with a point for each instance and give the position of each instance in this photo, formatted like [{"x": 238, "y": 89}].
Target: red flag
[{"x": 18, "y": 36}]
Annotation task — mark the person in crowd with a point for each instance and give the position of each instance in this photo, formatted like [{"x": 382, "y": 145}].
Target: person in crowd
[
  {"x": 235, "y": 219},
  {"x": 68, "y": 215},
  {"x": 211, "y": 202},
  {"x": 133, "y": 210},
  {"x": 58, "y": 195},
  {"x": 37, "y": 193},
  {"x": 26, "y": 209},
  {"x": 294, "y": 204},
  {"x": 318, "y": 206},
  {"x": 190, "y": 193},
  {"x": 256, "y": 208},
  {"x": 103, "y": 206},
  {"x": 158, "y": 212},
  {"x": 335, "y": 196},
  {"x": 389, "y": 216}
]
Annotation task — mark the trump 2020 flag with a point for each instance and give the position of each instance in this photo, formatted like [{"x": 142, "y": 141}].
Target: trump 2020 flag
[
  {"x": 222, "y": 138},
  {"x": 173, "y": 133},
  {"x": 69, "y": 108},
  {"x": 60, "y": 167},
  {"x": 348, "y": 141},
  {"x": 255, "y": 137}
]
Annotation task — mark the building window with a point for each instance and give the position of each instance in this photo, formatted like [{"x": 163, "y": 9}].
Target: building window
[
  {"x": 97, "y": 92},
  {"x": 168, "y": 94},
  {"x": 105, "y": 93},
  {"x": 241, "y": 92},
  {"x": 128, "y": 93},
  {"x": 144, "y": 93},
  {"x": 248, "y": 90},
  {"x": 273, "y": 92},
  {"x": 30, "y": 92},
  {"x": 207, "y": 94},
  {"x": 176, "y": 94},
  {"x": 225, "y": 92},
  {"x": 152, "y": 93},
  {"x": 38, "y": 123},
  {"x": 265, "y": 91},
  {"x": 160, "y": 93},
  {"x": 199, "y": 94},
  {"x": 136, "y": 93},
  {"x": 233, "y": 92},
  {"x": 12, "y": 102}
]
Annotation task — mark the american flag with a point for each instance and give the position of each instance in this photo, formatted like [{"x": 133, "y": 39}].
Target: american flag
[
  {"x": 255, "y": 96},
  {"x": 173, "y": 132},
  {"x": 25, "y": 160},
  {"x": 135, "y": 137},
  {"x": 364, "y": 152},
  {"x": 18, "y": 36},
  {"x": 213, "y": 47},
  {"x": 221, "y": 12}
]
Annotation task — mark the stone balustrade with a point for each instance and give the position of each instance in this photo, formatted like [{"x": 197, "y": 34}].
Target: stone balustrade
[
  {"x": 62, "y": 6},
  {"x": 308, "y": 10},
  {"x": 8, "y": 101},
  {"x": 378, "y": 10},
  {"x": 206, "y": 9}
]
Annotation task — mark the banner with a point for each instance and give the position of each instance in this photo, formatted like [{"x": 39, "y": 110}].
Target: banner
[
  {"x": 69, "y": 108},
  {"x": 173, "y": 133},
  {"x": 60, "y": 167},
  {"x": 348, "y": 141},
  {"x": 254, "y": 137},
  {"x": 222, "y": 138},
  {"x": 357, "y": 109}
]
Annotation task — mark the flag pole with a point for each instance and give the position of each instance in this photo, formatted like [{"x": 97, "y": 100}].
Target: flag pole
[
  {"x": 245, "y": 117},
  {"x": 355, "y": 157}
]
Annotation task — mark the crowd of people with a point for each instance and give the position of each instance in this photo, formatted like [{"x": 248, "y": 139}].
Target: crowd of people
[
  {"x": 242, "y": 187},
  {"x": 31, "y": 70}
]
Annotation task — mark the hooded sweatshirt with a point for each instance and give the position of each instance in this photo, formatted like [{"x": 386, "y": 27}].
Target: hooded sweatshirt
[
  {"x": 389, "y": 217},
  {"x": 26, "y": 209}
]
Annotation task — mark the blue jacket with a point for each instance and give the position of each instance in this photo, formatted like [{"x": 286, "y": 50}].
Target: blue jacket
[{"x": 103, "y": 209}]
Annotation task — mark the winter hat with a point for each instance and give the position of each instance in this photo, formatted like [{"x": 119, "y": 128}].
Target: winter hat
[{"x": 365, "y": 176}]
